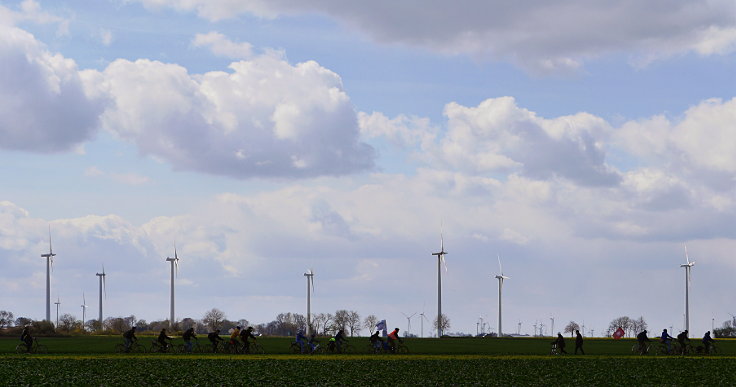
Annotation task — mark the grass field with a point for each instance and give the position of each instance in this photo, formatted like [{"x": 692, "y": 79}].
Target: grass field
[{"x": 523, "y": 361}]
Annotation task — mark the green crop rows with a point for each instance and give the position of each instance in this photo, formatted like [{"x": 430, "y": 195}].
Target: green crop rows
[{"x": 89, "y": 361}]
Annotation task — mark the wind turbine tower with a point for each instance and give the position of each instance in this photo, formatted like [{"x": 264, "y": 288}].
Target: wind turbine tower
[
  {"x": 49, "y": 263},
  {"x": 174, "y": 262},
  {"x": 408, "y": 321},
  {"x": 552, "y": 327},
  {"x": 688, "y": 267},
  {"x": 310, "y": 290},
  {"x": 102, "y": 285},
  {"x": 440, "y": 260},
  {"x": 500, "y": 279}
]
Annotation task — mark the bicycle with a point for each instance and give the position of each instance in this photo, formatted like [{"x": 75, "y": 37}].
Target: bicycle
[
  {"x": 196, "y": 348},
  {"x": 134, "y": 348},
  {"x": 231, "y": 348},
  {"x": 641, "y": 349},
  {"x": 554, "y": 350},
  {"x": 255, "y": 349},
  {"x": 35, "y": 347},
  {"x": 157, "y": 347}
]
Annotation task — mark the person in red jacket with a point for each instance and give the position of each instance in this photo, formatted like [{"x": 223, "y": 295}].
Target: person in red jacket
[{"x": 393, "y": 337}]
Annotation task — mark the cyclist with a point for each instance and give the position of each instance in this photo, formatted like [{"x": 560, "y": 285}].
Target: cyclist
[
  {"x": 666, "y": 340},
  {"x": 707, "y": 341},
  {"x": 683, "y": 340},
  {"x": 339, "y": 339},
  {"x": 393, "y": 337},
  {"x": 164, "y": 340},
  {"x": 234, "y": 337},
  {"x": 26, "y": 337},
  {"x": 376, "y": 341},
  {"x": 244, "y": 335},
  {"x": 560, "y": 341},
  {"x": 214, "y": 337},
  {"x": 129, "y": 338},
  {"x": 300, "y": 339},
  {"x": 187, "y": 336},
  {"x": 313, "y": 343},
  {"x": 642, "y": 339}
]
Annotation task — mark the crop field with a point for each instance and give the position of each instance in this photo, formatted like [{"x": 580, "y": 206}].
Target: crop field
[{"x": 90, "y": 361}]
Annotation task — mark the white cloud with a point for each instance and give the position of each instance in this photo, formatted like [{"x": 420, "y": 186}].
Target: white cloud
[
  {"x": 263, "y": 118},
  {"x": 30, "y": 11},
  {"x": 106, "y": 37},
  {"x": 542, "y": 36},
  {"x": 45, "y": 106},
  {"x": 220, "y": 45}
]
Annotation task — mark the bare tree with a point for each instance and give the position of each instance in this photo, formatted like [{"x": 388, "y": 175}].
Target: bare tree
[
  {"x": 6, "y": 319},
  {"x": 370, "y": 322},
  {"x": 318, "y": 321},
  {"x": 572, "y": 327},
  {"x": 443, "y": 324},
  {"x": 68, "y": 323},
  {"x": 328, "y": 323},
  {"x": 622, "y": 322},
  {"x": 213, "y": 318},
  {"x": 353, "y": 322},
  {"x": 342, "y": 317}
]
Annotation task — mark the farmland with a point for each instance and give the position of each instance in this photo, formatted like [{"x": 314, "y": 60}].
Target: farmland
[{"x": 90, "y": 360}]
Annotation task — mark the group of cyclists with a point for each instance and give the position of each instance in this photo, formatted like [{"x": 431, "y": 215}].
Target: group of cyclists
[
  {"x": 163, "y": 342},
  {"x": 682, "y": 339}
]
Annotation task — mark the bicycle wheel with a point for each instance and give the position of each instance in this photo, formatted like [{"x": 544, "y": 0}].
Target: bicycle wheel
[
  {"x": 41, "y": 349},
  {"x": 402, "y": 349},
  {"x": 119, "y": 348},
  {"x": 21, "y": 348},
  {"x": 295, "y": 348},
  {"x": 257, "y": 349}
]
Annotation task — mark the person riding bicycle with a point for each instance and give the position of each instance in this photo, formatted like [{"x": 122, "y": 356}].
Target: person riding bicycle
[
  {"x": 214, "y": 337},
  {"x": 560, "y": 342},
  {"x": 376, "y": 340},
  {"x": 234, "y": 336},
  {"x": 244, "y": 335},
  {"x": 26, "y": 337},
  {"x": 642, "y": 339},
  {"x": 164, "y": 340},
  {"x": 300, "y": 339},
  {"x": 188, "y": 336},
  {"x": 683, "y": 340},
  {"x": 129, "y": 338},
  {"x": 707, "y": 342},
  {"x": 338, "y": 340},
  {"x": 393, "y": 337},
  {"x": 666, "y": 340},
  {"x": 313, "y": 343}
]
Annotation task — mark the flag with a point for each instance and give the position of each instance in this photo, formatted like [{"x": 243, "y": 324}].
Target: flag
[
  {"x": 381, "y": 326},
  {"x": 619, "y": 333}
]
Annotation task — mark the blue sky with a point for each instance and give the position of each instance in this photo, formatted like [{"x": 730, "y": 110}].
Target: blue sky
[{"x": 584, "y": 142}]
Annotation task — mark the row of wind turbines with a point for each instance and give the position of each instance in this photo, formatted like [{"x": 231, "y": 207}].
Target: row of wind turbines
[
  {"x": 103, "y": 288},
  {"x": 174, "y": 262}
]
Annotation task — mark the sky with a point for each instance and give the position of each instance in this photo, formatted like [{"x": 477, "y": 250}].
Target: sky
[{"x": 583, "y": 143}]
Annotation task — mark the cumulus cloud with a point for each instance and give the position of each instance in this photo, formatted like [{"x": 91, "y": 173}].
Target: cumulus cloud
[
  {"x": 265, "y": 117},
  {"x": 542, "y": 36},
  {"x": 220, "y": 45},
  {"x": 30, "y": 11},
  {"x": 46, "y": 105}
]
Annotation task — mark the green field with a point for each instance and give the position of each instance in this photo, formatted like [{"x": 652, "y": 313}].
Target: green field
[{"x": 90, "y": 360}]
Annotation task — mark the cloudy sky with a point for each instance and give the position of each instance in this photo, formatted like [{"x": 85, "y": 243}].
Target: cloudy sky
[{"x": 582, "y": 141}]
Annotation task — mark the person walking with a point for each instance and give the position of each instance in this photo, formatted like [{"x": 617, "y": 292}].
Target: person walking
[{"x": 579, "y": 342}]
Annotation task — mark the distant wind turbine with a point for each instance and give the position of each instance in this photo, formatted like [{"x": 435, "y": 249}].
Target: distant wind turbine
[
  {"x": 440, "y": 261},
  {"x": 49, "y": 264},
  {"x": 688, "y": 267},
  {"x": 310, "y": 290},
  {"x": 423, "y": 318},
  {"x": 408, "y": 321},
  {"x": 500, "y": 279},
  {"x": 174, "y": 262},
  {"x": 58, "y": 302},
  {"x": 84, "y": 310},
  {"x": 103, "y": 285}
]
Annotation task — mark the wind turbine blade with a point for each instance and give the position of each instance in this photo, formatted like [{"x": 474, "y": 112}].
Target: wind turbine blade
[
  {"x": 500, "y": 269},
  {"x": 687, "y": 258},
  {"x": 50, "y": 249},
  {"x": 444, "y": 263}
]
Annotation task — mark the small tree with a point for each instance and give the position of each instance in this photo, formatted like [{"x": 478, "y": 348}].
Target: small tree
[
  {"x": 214, "y": 318},
  {"x": 370, "y": 322},
  {"x": 68, "y": 323},
  {"x": 572, "y": 327},
  {"x": 6, "y": 319},
  {"x": 353, "y": 322},
  {"x": 442, "y": 324}
]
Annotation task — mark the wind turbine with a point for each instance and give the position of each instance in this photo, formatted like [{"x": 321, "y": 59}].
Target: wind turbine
[
  {"x": 440, "y": 260},
  {"x": 84, "y": 310},
  {"x": 500, "y": 279},
  {"x": 102, "y": 285},
  {"x": 422, "y": 319},
  {"x": 552, "y": 327},
  {"x": 688, "y": 267},
  {"x": 58, "y": 302},
  {"x": 49, "y": 264},
  {"x": 174, "y": 262},
  {"x": 408, "y": 319},
  {"x": 310, "y": 282}
]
